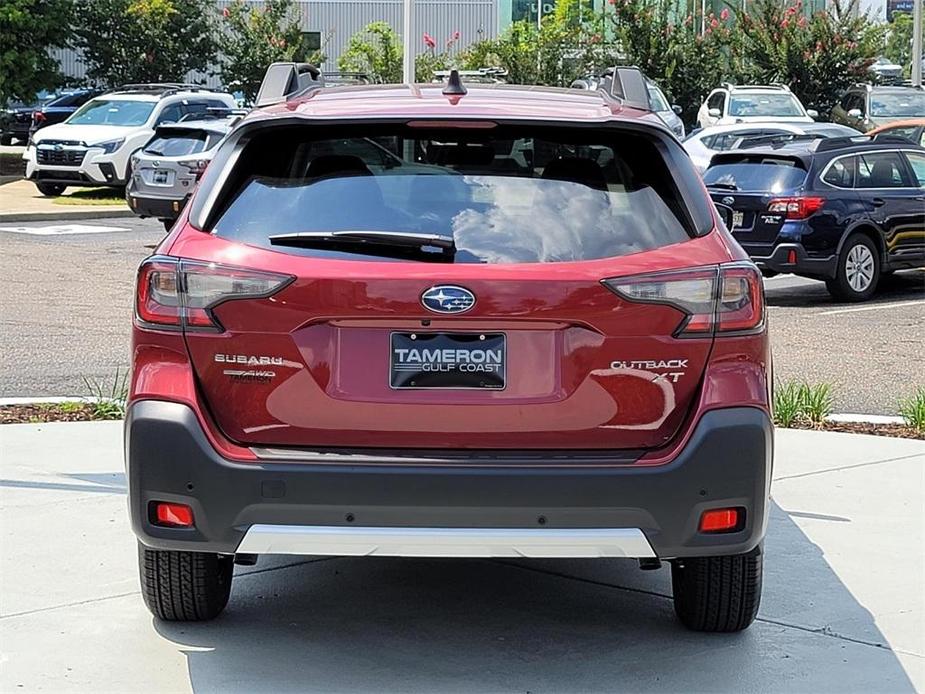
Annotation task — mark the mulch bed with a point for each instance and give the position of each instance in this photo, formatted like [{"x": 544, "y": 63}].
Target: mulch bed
[
  {"x": 895, "y": 430},
  {"x": 37, "y": 413}
]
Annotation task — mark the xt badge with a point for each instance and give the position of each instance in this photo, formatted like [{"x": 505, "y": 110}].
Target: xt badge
[{"x": 672, "y": 369}]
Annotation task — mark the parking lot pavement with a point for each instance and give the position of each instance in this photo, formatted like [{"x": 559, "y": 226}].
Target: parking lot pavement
[
  {"x": 843, "y": 609},
  {"x": 870, "y": 352}
]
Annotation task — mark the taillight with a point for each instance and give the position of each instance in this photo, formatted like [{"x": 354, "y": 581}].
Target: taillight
[
  {"x": 197, "y": 167},
  {"x": 727, "y": 299},
  {"x": 172, "y": 294},
  {"x": 797, "y": 207},
  {"x": 38, "y": 117}
]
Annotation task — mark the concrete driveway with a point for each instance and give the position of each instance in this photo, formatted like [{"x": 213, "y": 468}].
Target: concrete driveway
[{"x": 843, "y": 607}]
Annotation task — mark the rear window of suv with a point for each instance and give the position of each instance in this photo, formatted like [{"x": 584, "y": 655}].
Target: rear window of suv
[
  {"x": 486, "y": 196},
  {"x": 178, "y": 143},
  {"x": 765, "y": 174}
]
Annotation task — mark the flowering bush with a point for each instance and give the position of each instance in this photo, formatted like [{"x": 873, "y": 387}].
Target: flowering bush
[
  {"x": 376, "y": 51},
  {"x": 254, "y": 37}
]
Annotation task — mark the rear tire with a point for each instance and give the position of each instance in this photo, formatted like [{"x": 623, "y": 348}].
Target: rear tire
[
  {"x": 719, "y": 594},
  {"x": 184, "y": 586},
  {"x": 51, "y": 190},
  {"x": 168, "y": 224},
  {"x": 858, "y": 271}
]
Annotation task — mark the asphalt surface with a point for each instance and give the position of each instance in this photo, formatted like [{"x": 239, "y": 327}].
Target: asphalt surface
[
  {"x": 842, "y": 609},
  {"x": 66, "y": 305}
]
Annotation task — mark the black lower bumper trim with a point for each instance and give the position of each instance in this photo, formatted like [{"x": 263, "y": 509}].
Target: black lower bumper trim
[
  {"x": 727, "y": 462},
  {"x": 162, "y": 208},
  {"x": 805, "y": 264}
]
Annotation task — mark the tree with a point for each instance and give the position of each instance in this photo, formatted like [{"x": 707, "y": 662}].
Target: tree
[
  {"x": 899, "y": 43},
  {"x": 818, "y": 56},
  {"x": 254, "y": 37},
  {"x": 376, "y": 51},
  {"x": 28, "y": 28},
  {"x": 143, "y": 40}
]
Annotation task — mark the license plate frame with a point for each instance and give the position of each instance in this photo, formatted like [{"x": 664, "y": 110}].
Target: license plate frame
[
  {"x": 441, "y": 367},
  {"x": 161, "y": 177}
]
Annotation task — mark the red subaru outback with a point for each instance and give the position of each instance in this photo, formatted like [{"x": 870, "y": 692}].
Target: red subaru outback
[{"x": 426, "y": 321}]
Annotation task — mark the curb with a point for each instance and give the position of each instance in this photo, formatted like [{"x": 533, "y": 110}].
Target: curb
[
  {"x": 65, "y": 214},
  {"x": 864, "y": 419}
]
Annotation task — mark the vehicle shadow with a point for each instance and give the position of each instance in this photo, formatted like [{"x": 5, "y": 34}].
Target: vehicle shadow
[
  {"x": 793, "y": 292},
  {"x": 352, "y": 624}
]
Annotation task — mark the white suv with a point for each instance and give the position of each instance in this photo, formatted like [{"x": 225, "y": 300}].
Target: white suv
[
  {"x": 731, "y": 104},
  {"x": 93, "y": 147}
]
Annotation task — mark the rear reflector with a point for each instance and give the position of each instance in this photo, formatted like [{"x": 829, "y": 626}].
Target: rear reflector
[
  {"x": 173, "y": 515},
  {"x": 728, "y": 299},
  {"x": 172, "y": 294},
  {"x": 722, "y": 520}
]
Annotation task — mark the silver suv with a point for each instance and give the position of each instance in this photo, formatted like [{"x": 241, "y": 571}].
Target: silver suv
[{"x": 165, "y": 171}]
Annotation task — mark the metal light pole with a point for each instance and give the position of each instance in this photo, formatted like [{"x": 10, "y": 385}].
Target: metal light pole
[
  {"x": 539, "y": 14},
  {"x": 407, "y": 73},
  {"x": 917, "y": 43}
]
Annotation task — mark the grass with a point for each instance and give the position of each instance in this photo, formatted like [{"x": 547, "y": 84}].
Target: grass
[
  {"x": 92, "y": 196},
  {"x": 107, "y": 400},
  {"x": 912, "y": 410},
  {"x": 802, "y": 403}
]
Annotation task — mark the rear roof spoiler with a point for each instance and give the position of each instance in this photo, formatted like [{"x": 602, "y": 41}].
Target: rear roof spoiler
[{"x": 285, "y": 80}]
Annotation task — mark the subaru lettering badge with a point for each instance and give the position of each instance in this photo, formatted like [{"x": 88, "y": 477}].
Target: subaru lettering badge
[
  {"x": 447, "y": 298},
  {"x": 728, "y": 200}
]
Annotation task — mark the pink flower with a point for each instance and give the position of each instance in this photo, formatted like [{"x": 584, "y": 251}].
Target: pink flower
[
  {"x": 801, "y": 22},
  {"x": 724, "y": 15},
  {"x": 784, "y": 23},
  {"x": 225, "y": 12},
  {"x": 714, "y": 23},
  {"x": 429, "y": 40},
  {"x": 456, "y": 35}
]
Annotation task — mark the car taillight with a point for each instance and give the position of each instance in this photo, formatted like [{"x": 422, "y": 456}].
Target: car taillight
[
  {"x": 797, "y": 207},
  {"x": 727, "y": 299},
  {"x": 173, "y": 294},
  {"x": 38, "y": 117},
  {"x": 197, "y": 167}
]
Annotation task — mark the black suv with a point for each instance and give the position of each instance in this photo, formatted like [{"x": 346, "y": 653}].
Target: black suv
[{"x": 841, "y": 210}]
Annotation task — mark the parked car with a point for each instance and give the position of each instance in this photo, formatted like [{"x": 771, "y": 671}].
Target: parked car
[
  {"x": 842, "y": 210},
  {"x": 703, "y": 145},
  {"x": 658, "y": 102},
  {"x": 865, "y": 107},
  {"x": 732, "y": 103},
  {"x": 912, "y": 130},
  {"x": 16, "y": 118},
  {"x": 486, "y": 363},
  {"x": 94, "y": 145},
  {"x": 59, "y": 108},
  {"x": 886, "y": 70},
  {"x": 165, "y": 171}
]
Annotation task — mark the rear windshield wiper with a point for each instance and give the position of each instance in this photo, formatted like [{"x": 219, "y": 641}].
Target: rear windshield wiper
[
  {"x": 724, "y": 186},
  {"x": 403, "y": 239}
]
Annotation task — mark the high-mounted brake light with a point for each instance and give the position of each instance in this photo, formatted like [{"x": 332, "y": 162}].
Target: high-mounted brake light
[
  {"x": 173, "y": 294},
  {"x": 796, "y": 207},
  {"x": 725, "y": 300}
]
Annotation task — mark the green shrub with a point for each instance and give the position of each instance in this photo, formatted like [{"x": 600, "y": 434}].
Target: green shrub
[
  {"x": 816, "y": 402},
  {"x": 107, "y": 400},
  {"x": 912, "y": 410},
  {"x": 786, "y": 404}
]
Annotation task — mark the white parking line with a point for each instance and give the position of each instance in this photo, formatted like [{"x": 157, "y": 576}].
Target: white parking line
[
  {"x": 870, "y": 308},
  {"x": 58, "y": 229}
]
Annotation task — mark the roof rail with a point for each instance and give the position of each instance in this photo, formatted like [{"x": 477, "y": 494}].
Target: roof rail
[
  {"x": 628, "y": 84},
  {"x": 831, "y": 143},
  {"x": 285, "y": 80},
  {"x": 778, "y": 139},
  {"x": 160, "y": 88}
]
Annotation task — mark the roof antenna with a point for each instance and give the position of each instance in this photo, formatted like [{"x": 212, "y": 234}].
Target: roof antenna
[{"x": 454, "y": 85}]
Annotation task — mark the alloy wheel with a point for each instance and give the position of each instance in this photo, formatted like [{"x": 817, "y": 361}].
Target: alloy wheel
[{"x": 859, "y": 268}]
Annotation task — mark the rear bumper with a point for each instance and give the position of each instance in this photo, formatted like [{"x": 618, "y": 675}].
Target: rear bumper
[
  {"x": 162, "y": 208},
  {"x": 449, "y": 510},
  {"x": 779, "y": 261}
]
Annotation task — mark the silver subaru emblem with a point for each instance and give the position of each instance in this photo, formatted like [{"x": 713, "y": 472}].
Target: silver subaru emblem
[
  {"x": 447, "y": 298},
  {"x": 728, "y": 200}
]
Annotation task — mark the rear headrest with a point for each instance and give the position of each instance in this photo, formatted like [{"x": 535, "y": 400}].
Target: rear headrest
[
  {"x": 576, "y": 170},
  {"x": 337, "y": 165}
]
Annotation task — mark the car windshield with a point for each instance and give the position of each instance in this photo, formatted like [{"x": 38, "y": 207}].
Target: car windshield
[
  {"x": 906, "y": 104},
  {"x": 777, "y": 176},
  {"x": 747, "y": 105},
  {"x": 546, "y": 199},
  {"x": 180, "y": 143},
  {"x": 657, "y": 100},
  {"x": 121, "y": 112}
]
